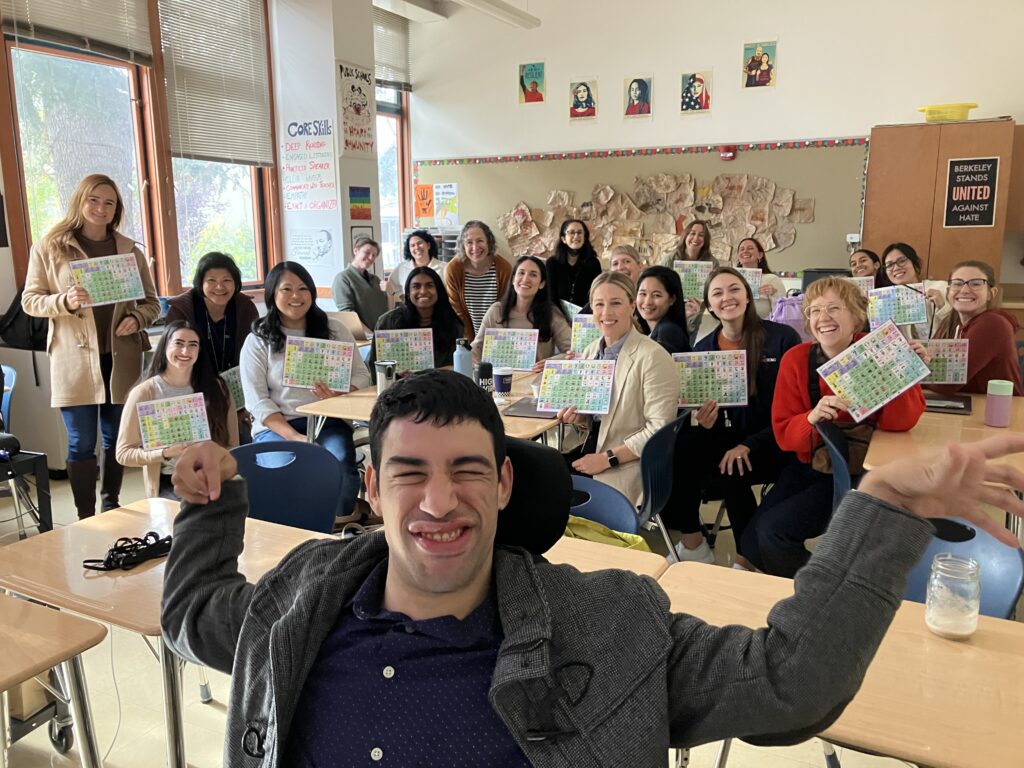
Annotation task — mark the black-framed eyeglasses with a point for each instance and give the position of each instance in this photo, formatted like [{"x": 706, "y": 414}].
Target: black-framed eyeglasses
[
  {"x": 974, "y": 283},
  {"x": 896, "y": 263}
]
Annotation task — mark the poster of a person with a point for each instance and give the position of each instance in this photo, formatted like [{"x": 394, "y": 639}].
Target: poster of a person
[
  {"x": 638, "y": 95},
  {"x": 696, "y": 92},
  {"x": 582, "y": 99},
  {"x": 760, "y": 63},
  {"x": 531, "y": 83}
]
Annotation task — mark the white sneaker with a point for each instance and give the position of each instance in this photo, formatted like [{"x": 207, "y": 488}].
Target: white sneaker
[{"x": 702, "y": 554}]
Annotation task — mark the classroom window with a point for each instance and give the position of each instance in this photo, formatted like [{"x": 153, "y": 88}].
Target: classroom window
[
  {"x": 216, "y": 212},
  {"x": 388, "y": 174},
  {"x": 76, "y": 115}
]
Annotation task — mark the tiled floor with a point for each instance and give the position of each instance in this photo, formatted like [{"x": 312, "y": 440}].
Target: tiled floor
[{"x": 124, "y": 684}]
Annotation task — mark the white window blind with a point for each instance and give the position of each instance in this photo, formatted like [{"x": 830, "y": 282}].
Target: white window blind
[
  {"x": 391, "y": 49},
  {"x": 117, "y": 28},
  {"x": 215, "y": 65}
]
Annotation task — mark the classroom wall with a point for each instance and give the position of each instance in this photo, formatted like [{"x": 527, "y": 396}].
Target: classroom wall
[{"x": 842, "y": 68}]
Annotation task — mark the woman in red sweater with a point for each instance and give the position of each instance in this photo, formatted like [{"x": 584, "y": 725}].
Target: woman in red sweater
[
  {"x": 799, "y": 505},
  {"x": 992, "y": 352}
]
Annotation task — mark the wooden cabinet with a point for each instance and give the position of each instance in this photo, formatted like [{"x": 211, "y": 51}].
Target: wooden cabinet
[{"x": 905, "y": 198}]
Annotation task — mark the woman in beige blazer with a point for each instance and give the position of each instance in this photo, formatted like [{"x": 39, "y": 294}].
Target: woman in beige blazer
[
  {"x": 95, "y": 352},
  {"x": 179, "y": 367},
  {"x": 645, "y": 393}
]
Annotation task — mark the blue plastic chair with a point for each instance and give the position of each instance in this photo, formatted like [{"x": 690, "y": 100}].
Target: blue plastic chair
[
  {"x": 298, "y": 487},
  {"x": 10, "y": 378},
  {"x": 604, "y": 505},
  {"x": 838, "y": 451},
  {"x": 656, "y": 473},
  {"x": 1002, "y": 567}
]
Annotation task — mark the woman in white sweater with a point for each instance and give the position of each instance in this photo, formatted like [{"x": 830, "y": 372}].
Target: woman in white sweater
[
  {"x": 178, "y": 368},
  {"x": 290, "y": 297}
]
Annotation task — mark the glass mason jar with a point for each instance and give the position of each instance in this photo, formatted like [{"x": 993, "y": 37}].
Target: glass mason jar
[{"x": 954, "y": 596}]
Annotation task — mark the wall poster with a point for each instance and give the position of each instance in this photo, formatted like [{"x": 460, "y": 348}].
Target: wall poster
[
  {"x": 971, "y": 192},
  {"x": 759, "y": 64},
  {"x": 531, "y": 83},
  {"x": 357, "y": 97}
]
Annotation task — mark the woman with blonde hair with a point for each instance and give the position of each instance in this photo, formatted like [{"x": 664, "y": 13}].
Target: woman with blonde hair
[
  {"x": 645, "y": 393},
  {"x": 95, "y": 351}
]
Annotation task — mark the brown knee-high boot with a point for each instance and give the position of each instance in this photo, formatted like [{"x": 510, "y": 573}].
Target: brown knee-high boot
[
  {"x": 82, "y": 476},
  {"x": 110, "y": 482}
]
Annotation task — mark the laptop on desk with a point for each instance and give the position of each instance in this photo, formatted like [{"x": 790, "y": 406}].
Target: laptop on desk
[{"x": 958, "y": 404}]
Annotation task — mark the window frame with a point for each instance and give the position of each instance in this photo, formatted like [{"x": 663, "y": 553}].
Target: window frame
[
  {"x": 158, "y": 213},
  {"x": 400, "y": 113}
]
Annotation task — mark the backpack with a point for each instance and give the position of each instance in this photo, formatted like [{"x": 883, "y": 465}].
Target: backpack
[
  {"x": 22, "y": 331},
  {"x": 789, "y": 310}
]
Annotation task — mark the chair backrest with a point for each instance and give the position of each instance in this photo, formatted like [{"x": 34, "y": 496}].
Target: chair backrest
[
  {"x": 604, "y": 505},
  {"x": 538, "y": 509},
  {"x": 1001, "y": 567},
  {"x": 835, "y": 443},
  {"x": 291, "y": 483},
  {"x": 9, "y": 379},
  {"x": 351, "y": 321},
  {"x": 656, "y": 467}
]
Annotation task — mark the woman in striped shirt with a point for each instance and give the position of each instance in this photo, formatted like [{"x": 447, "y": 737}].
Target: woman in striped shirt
[{"x": 476, "y": 277}]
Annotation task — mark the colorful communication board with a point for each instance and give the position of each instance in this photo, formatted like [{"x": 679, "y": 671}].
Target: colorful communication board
[
  {"x": 949, "y": 361},
  {"x": 109, "y": 279},
  {"x": 865, "y": 284},
  {"x": 693, "y": 274},
  {"x": 586, "y": 384},
  {"x": 874, "y": 371},
  {"x": 173, "y": 421},
  {"x": 510, "y": 347},
  {"x": 307, "y": 361},
  {"x": 718, "y": 376},
  {"x": 903, "y": 304},
  {"x": 233, "y": 378},
  {"x": 411, "y": 349},
  {"x": 584, "y": 332},
  {"x": 753, "y": 278}
]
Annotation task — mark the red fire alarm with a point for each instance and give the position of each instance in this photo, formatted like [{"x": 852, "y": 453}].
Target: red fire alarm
[{"x": 727, "y": 151}]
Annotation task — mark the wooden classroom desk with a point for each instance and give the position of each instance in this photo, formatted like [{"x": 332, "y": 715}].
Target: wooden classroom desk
[
  {"x": 356, "y": 406},
  {"x": 35, "y": 639},
  {"x": 925, "y": 699},
  {"x": 49, "y": 568},
  {"x": 592, "y": 556}
]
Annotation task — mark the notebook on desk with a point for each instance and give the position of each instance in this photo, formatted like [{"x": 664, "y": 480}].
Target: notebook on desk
[
  {"x": 959, "y": 404},
  {"x": 526, "y": 408}
]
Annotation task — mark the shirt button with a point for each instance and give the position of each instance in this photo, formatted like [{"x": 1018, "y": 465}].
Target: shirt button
[
  {"x": 376, "y": 754},
  {"x": 389, "y": 672},
  {"x": 410, "y": 629}
]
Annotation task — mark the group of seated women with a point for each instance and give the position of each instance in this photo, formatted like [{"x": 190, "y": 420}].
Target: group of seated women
[{"x": 643, "y": 318}]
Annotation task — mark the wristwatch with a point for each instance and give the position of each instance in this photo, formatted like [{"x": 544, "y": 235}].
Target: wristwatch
[{"x": 613, "y": 460}]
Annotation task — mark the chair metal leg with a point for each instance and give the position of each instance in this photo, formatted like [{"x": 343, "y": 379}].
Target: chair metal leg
[
  {"x": 723, "y": 754},
  {"x": 171, "y": 671},
  {"x": 13, "y": 485},
  {"x": 672, "y": 556},
  {"x": 81, "y": 713},
  {"x": 205, "y": 695},
  {"x": 831, "y": 758}
]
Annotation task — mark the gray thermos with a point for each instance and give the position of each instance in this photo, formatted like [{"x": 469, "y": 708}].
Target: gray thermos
[{"x": 385, "y": 370}]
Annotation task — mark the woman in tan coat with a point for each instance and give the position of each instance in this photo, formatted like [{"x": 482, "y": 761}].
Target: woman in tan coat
[
  {"x": 645, "y": 391},
  {"x": 95, "y": 352},
  {"x": 179, "y": 367}
]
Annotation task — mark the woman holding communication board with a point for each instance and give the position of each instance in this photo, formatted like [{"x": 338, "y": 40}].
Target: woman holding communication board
[
  {"x": 180, "y": 366},
  {"x": 527, "y": 305},
  {"x": 645, "y": 393},
  {"x": 95, "y": 344},
  {"x": 290, "y": 296}
]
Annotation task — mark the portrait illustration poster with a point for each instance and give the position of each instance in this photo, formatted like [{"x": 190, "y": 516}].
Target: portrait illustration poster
[
  {"x": 760, "y": 62},
  {"x": 582, "y": 99},
  {"x": 638, "y": 96},
  {"x": 531, "y": 83},
  {"x": 695, "y": 92}
]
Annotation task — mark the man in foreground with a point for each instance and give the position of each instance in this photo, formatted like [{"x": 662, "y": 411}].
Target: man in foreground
[{"x": 428, "y": 645}]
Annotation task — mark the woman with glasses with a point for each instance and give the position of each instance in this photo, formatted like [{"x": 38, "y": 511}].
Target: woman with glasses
[
  {"x": 902, "y": 266},
  {"x": 992, "y": 352},
  {"x": 574, "y": 265},
  {"x": 799, "y": 505}
]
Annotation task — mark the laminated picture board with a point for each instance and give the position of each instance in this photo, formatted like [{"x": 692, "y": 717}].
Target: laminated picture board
[
  {"x": 510, "y": 347},
  {"x": 109, "y": 279},
  {"x": 233, "y": 378},
  {"x": 586, "y": 384},
  {"x": 412, "y": 349},
  {"x": 173, "y": 421},
  {"x": 693, "y": 275},
  {"x": 584, "y": 332},
  {"x": 903, "y": 304},
  {"x": 718, "y": 376},
  {"x": 949, "y": 361},
  {"x": 307, "y": 361}
]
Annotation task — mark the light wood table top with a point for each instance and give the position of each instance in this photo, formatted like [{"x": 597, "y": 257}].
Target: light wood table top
[
  {"x": 357, "y": 406},
  {"x": 592, "y": 556},
  {"x": 924, "y": 699},
  {"x": 49, "y": 568},
  {"x": 935, "y": 430},
  {"x": 35, "y": 638}
]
